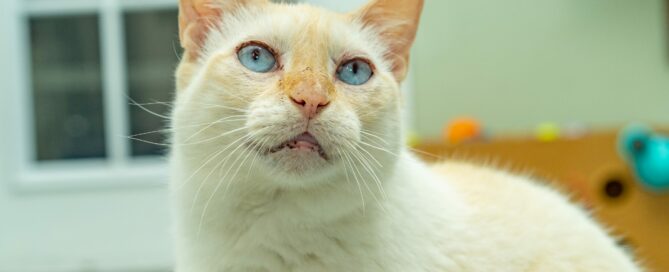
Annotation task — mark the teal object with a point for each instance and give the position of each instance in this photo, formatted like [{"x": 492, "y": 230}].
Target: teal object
[{"x": 648, "y": 154}]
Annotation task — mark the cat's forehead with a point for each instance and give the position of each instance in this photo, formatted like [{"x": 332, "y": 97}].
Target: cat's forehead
[{"x": 302, "y": 29}]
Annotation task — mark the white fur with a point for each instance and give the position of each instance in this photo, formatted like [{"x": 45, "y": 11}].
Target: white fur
[{"x": 372, "y": 206}]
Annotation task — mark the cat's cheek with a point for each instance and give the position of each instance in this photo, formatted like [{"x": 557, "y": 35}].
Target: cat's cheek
[{"x": 374, "y": 105}]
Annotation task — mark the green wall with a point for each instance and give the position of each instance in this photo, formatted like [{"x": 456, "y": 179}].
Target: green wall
[{"x": 516, "y": 63}]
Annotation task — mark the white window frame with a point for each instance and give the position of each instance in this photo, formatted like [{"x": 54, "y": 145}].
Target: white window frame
[{"x": 119, "y": 168}]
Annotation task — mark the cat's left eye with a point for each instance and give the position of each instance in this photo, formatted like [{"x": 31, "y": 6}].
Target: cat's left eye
[
  {"x": 257, "y": 58},
  {"x": 355, "y": 72}
]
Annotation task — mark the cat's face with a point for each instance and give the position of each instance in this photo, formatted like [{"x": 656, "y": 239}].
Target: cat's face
[{"x": 292, "y": 91}]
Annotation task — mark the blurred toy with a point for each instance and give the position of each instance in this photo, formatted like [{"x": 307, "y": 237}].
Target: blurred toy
[
  {"x": 575, "y": 130},
  {"x": 547, "y": 132},
  {"x": 463, "y": 129},
  {"x": 413, "y": 139},
  {"x": 648, "y": 153}
]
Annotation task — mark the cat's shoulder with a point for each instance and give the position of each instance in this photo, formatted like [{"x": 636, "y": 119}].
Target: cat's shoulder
[
  {"x": 514, "y": 210},
  {"x": 487, "y": 181},
  {"x": 510, "y": 195}
]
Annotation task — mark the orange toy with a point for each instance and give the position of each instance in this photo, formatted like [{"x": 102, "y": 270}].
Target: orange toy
[{"x": 462, "y": 130}]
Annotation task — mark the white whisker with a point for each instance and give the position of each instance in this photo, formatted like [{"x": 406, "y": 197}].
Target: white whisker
[
  {"x": 345, "y": 164},
  {"x": 147, "y": 110},
  {"x": 379, "y": 148},
  {"x": 221, "y": 181},
  {"x": 356, "y": 174},
  {"x": 219, "y": 164},
  {"x": 366, "y": 132},
  {"x": 368, "y": 167},
  {"x": 222, "y": 120}
]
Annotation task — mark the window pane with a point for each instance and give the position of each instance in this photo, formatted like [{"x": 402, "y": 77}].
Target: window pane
[
  {"x": 67, "y": 87},
  {"x": 152, "y": 47}
]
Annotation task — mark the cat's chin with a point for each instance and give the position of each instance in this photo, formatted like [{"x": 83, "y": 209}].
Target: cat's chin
[
  {"x": 298, "y": 167},
  {"x": 298, "y": 160}
]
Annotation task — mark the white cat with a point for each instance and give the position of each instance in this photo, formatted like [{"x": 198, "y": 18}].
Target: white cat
[{"x": 287, "y": 155}]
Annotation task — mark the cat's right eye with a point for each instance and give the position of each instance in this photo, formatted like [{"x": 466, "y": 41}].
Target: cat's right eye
[{"x": 257, "y": 58}]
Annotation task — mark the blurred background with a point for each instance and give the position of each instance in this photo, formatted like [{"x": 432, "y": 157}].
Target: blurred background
[{"x": 76, "y": 194}]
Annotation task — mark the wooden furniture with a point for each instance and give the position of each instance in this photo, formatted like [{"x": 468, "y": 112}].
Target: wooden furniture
[{"x": 593, "y": 172}]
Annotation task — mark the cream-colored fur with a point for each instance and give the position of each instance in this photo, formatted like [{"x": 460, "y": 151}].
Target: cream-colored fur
[{"x": 370, "y": 206}]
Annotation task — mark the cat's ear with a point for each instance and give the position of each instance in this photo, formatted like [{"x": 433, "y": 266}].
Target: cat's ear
[
  {"x": 197, "y": 17},
  {"x": 397, "y": 23}
]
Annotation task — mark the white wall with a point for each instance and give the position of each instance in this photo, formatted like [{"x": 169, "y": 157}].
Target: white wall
[
  {"x": 338, "y": 5},
  {"x": 516, "y": 63}
]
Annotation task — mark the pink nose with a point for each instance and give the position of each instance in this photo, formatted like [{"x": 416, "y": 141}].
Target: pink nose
[{"x": 310, "y": 103}]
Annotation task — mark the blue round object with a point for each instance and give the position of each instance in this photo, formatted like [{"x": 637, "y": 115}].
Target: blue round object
[{"x": 648, "y": 153}]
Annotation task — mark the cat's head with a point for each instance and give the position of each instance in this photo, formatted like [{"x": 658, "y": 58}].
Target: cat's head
[{"x": 296, "y": 91}]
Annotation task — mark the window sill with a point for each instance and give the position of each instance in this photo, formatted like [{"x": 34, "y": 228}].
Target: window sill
[{"x": 91, "y": 175}]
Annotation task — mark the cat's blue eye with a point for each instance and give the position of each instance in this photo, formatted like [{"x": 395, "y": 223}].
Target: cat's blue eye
[
  {"x": 355, "y": 72},
  {"x": 256, "y": 58}
]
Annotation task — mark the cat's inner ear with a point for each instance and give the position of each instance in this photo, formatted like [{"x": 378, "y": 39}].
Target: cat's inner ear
[
  {"x": 197, "y": 17},
  {"x": 397, "y": 22}
]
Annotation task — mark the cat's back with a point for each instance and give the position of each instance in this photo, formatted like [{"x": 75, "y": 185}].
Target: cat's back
[{"x": 523, "y": 225}]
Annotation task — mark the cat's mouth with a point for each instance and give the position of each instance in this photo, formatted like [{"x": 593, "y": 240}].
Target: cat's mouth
[{"x": 303, "y": 143}]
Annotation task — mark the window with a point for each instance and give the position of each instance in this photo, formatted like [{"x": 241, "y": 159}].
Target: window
[
  {"x": 150, "y": 69},
  {"x": 66, "y": 87},
  {"x": 86, "y": 64}
]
